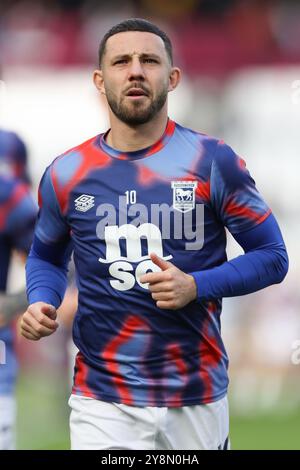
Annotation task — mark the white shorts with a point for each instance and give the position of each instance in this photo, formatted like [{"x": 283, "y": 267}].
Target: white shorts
[
  {"x": 7, "y": 422},
  {"x": 99, "y": 425}
]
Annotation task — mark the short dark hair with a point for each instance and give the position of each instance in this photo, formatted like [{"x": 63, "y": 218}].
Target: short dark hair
[{"x": 136, "y": 24}]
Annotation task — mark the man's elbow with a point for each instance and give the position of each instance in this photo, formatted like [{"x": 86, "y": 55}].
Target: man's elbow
[{"x": 282, "y": 266}]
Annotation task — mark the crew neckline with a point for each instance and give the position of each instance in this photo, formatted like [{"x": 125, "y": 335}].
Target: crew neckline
[{"x": 141, "y": 153}]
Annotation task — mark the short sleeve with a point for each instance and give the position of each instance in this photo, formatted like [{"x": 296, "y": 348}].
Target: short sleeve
[{"x": 234, "y": 195}]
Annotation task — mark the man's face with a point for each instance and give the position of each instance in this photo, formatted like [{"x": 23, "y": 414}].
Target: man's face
[{"x": 136, "y": 76}]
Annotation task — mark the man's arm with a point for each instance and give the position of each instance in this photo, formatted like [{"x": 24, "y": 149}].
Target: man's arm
[
  {"x": 264, "y": 263},
  {"x": 46, "y": 271},
  {"x": 241, "y": 208},
  {"x": 46, "y": 276},
  {"x": 47, "y": 264},
  {"x": 238, "y": 206}
]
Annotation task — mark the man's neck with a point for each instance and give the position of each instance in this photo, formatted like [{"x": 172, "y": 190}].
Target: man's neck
[{"x": 129, "y": 139}]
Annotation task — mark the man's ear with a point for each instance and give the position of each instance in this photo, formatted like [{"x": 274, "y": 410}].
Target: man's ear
[
  {"x": 98, "y": 81},
  {"x": 174, "y": 78}
]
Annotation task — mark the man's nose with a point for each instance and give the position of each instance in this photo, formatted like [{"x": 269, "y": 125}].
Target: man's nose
[{"x": 136, "y": 68}]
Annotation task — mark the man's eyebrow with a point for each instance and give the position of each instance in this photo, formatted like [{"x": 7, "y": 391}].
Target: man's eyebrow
[
  {"x": 143, "y": 56},
  {"x": 150, "y": 54}
]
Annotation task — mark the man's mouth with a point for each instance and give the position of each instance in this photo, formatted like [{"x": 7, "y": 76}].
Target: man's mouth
[{"x": 136, "y": 93}]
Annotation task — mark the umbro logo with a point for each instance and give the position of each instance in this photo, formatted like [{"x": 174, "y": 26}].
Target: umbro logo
[{"x": 84, "y": 202}]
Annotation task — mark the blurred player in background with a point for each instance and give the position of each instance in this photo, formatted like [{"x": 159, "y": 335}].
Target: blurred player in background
[
  {"x": 145, "y": 205},
  {"x": 17, "y": 218}
]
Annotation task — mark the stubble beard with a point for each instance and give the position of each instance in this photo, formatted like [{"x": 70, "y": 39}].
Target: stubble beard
[{"x": 136, "y": 112}]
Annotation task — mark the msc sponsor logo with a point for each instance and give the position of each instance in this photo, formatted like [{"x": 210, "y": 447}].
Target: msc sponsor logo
[{"x": 121, "y": 267}]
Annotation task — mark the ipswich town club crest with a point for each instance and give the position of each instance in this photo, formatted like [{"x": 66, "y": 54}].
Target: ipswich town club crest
[{"x": 184, "y": 195}]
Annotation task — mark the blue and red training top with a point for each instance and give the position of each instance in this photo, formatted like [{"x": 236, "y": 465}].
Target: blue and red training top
[
  {"x": 18, "y": 212},
  {"x": 174, "y": 198}
]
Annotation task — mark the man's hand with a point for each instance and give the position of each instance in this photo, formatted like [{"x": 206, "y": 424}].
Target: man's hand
[
  {"x": 171, "y": 288},
  {"x": 38, "y": 321}
]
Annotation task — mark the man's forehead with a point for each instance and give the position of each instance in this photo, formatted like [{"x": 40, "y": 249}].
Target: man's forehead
[{"x": 134, "y": 42}]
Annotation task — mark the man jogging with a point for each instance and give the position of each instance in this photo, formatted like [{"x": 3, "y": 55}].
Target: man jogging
[{"x": 144, "y": 206}]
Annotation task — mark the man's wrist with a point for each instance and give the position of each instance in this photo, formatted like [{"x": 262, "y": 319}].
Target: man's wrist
[
  {"x": 193, "y": 288},
  {"x": 200, "y": 280},
  {"x": 45, "y": 295}
]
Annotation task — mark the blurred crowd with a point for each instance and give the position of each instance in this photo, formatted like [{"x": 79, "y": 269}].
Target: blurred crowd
[{"x": 210, "y": 36}]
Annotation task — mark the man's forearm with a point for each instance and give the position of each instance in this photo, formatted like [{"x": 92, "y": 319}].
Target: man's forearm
[
  {"x": 264, "y": 263},
  {"x": 46, "y": 273},
  {"x": 243, "y": 275}
]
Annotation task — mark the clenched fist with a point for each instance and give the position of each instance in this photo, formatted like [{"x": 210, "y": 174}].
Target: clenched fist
[
  {"x": 170, "y": 288},
  {"x": 38, "y": 321}
]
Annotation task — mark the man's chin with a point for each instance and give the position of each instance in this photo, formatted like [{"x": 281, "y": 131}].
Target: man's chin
[
  {"x": 136, "y": 117},
  {"x": 136, "y": 120}
]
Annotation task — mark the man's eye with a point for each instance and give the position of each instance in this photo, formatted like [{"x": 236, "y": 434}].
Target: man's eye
[{"x": 123, "y": 61}]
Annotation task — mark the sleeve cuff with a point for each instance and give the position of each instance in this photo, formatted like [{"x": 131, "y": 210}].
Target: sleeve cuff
[{"x": 44, "y": 294}]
